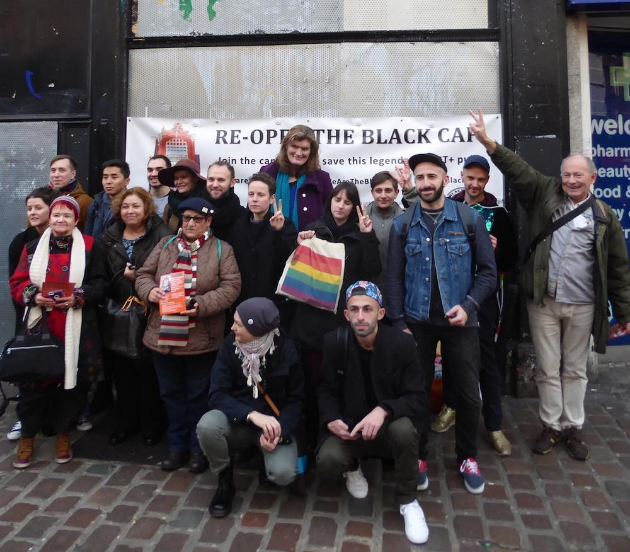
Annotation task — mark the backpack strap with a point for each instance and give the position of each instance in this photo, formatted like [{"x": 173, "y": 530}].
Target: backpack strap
[
  {"x": 168, "y": 242},
  {"x": 464, "y": 212},
  {"x": 466, "y": 216},
  {"x": 405, "y": 223},
  {"x": 342, "y": 335}
]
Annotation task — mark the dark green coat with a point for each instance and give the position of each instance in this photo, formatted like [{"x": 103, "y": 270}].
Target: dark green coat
[{"x": 541, "y": 196}]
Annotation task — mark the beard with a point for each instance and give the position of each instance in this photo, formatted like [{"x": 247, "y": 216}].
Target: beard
[
  {"x": 434, "y": 197},
  {"x": 364, "y": 332}
]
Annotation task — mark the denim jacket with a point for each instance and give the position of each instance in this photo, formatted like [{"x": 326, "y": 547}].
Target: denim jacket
[{"x": 459, "y": 280}]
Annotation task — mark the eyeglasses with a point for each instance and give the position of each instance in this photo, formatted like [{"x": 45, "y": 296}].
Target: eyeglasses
[{"x": 197, "y": 220}]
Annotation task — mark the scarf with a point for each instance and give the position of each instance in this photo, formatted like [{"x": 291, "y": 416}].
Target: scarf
[
  {"x": 253, "y": 357},
  {"x": 175, "y": 199},
  {"x": 174, "y": 328},
  {"x": 339, "y": 231},
  {"x": 74, "y": 317},
  {"x": 226, "y": 210},
  {"x": 283, "y": 192},
  {"x": 67, "y": 189}
]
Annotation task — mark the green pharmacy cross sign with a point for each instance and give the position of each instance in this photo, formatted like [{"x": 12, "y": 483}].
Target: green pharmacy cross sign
[{"x": 620, "y": 76}]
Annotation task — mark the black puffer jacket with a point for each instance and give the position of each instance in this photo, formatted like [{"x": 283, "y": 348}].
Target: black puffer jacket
[
  {"x": 115, "y": 256},
  {"x": 363, "y": 262}
]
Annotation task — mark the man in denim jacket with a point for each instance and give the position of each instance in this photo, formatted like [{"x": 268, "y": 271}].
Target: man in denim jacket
[{"x": 437, "y": 278}]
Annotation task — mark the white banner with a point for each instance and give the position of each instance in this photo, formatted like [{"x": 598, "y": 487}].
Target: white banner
[{"x": 350, "y": 149}]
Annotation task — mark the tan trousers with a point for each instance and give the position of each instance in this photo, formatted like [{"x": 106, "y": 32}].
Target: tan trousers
[{"x": 561, "y": 331}]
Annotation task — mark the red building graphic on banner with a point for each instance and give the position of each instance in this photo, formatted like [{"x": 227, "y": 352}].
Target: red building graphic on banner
[{"x": 176, "y": 144}]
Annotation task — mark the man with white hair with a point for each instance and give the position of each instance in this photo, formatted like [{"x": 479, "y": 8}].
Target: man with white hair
[{"x": 576, "y": 262}]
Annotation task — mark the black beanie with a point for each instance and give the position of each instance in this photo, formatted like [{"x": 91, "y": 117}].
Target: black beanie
[{"x": 259, "y": 315}]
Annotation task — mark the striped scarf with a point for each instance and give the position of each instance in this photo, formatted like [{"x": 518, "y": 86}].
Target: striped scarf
[{"x": 174, "y": 328}]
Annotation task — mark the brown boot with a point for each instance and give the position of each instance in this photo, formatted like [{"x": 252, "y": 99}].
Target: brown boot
[
  {"x": 24, "y": 453},
  {"x": 63, "y": 448}
]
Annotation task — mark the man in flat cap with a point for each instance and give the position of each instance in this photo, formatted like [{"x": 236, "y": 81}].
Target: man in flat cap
[
  {"x": 441, "y": 269},
  {"x": 256, "y": 398}
]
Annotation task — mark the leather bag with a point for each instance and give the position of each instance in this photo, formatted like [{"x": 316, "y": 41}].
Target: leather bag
[{"x": 123, "y": 326}]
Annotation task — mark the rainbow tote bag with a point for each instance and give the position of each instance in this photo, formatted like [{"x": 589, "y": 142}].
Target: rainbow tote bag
[{"x": 313, "y": 274}]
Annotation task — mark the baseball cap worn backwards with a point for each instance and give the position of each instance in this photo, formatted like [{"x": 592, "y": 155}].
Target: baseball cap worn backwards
[{"x": 363, "y": 287}]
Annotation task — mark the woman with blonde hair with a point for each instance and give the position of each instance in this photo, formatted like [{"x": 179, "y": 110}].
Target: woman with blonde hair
[{"x": 300, "y": 183}]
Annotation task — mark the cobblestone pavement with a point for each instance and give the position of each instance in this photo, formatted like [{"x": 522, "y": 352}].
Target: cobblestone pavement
[{"x": 533, "y": 503}]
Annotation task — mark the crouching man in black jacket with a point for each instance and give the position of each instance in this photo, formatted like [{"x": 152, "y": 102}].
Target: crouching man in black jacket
[
  {"x": 370, "y": 401},
  {"x": 256, "y": 398}
]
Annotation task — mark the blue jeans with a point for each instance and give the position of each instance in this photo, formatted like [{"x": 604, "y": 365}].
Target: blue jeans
[
  {"x": 460, "y": 349},
  {"x": 184, "y": 382}
]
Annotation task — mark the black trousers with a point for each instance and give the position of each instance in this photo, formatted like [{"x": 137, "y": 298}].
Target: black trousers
[
  {"x": 52, "y": 405},
  {"x": 489, "y": 381},
  {"x": 138, "y": 404},
  {"x": 397, "y": 440},
  {"x": 460, "y": 349}
]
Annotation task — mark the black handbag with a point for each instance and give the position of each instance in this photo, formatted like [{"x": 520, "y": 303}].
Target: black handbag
[
  {"x": 33, "y": 357},
  {"x": 122, "y": 326}
]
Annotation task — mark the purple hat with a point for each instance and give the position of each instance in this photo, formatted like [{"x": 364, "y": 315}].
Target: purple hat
[
  {"x": 167, "y": 176},
  {"x": 363, "y": 287}
]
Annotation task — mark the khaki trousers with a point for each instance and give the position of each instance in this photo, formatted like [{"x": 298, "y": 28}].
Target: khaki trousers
[{"x": 561, "y": 333}]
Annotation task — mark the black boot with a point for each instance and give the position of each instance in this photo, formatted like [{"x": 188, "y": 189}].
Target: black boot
[{"x": 221, "y": 504}]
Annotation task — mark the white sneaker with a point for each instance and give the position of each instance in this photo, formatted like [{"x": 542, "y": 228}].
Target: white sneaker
[
  {"x": 16, "y": 431},
  {"x": 84, "y": 424},
  {"x": 415, "y": 525},
  {"x": 356, "y": 483}
]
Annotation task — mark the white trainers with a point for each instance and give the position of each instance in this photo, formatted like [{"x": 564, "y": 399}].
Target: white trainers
[
  {"x": 16, "y": 431},
  {"x": 356, "y": 483},
  {"x": 84, "y": 424},
  {"x": 415, "y": 525}
]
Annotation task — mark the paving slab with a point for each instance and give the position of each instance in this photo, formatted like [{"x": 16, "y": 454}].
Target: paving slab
[{"x": 531, "y": 503}]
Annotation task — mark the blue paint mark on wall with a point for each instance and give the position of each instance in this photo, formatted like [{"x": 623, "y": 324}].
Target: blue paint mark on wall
[{"x": 29, "y": 83}]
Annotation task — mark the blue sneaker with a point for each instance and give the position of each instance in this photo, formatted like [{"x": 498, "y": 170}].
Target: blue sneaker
[
  {"x": 473, "y": 480},
  {"x": 423, "y": 478}
]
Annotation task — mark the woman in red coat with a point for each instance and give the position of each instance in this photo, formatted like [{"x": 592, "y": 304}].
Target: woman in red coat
[{"x": 60, "y": 255}]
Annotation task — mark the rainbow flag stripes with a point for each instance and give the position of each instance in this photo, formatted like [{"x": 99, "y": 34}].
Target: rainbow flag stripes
[{"x": 314, "y": 273}]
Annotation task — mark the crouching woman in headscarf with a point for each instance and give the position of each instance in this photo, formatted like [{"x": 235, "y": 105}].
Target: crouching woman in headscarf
[
  {"x": 256, "y": 398},
  {"x": 61, "y": 255}
]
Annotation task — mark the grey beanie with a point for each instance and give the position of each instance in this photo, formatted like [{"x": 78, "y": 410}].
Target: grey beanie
[{"x": 259, "y": 315}]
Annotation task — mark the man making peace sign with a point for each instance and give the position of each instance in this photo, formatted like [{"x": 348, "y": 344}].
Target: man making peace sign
[{"x": 262, "y": 242}]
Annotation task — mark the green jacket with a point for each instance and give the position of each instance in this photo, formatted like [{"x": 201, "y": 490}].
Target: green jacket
[{"x": 541, "y": 196}]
